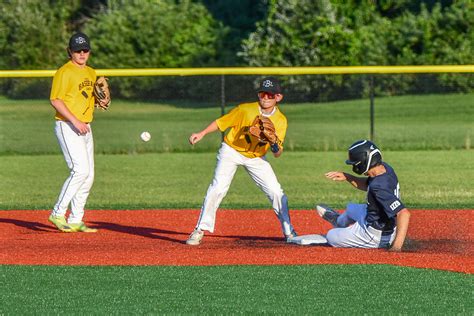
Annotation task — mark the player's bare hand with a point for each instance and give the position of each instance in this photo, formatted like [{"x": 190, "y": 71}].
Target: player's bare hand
[
  {"x": 104, "y": 101},
  {"x": 395, "y": 249},
  {"x": 195, "y": 137},
  {"x": 336, "y": 176},
  {"x": 81, "y": 127}
]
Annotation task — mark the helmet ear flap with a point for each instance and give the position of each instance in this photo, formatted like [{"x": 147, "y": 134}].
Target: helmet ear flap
[
  {"x": 363, "y": 155},
  {"x": 375, "y": 158}
]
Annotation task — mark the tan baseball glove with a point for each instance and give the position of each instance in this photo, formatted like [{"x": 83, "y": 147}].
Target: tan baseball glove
[
  {"x": 102, "y": 93},
  {"x": 263, "y": 128}
]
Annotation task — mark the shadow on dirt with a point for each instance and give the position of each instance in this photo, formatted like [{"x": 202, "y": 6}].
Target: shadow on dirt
[
  {"x": 148, "y": 232},
  {"x": 451, "y": 246},
  {"x": 35, "y": 226}
]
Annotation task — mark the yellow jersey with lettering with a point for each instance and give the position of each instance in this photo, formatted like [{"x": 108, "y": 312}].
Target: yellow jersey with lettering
[
  {"x": 239, "y": 121},
  {"x": 73, "y": 85}
]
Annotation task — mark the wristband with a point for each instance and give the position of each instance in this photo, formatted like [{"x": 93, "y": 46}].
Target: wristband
[{"x": 274, "y": 147}]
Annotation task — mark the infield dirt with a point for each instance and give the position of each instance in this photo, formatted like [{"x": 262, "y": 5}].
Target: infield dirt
[{"x": 437, "y": 240}]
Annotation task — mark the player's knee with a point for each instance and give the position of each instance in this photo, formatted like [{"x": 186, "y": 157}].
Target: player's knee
[
  {"x": 216, "y": 190},
  {"x": 333, "y": 238},
  {"x": 80, "y": 174},
  {"x": 90, "y": 177}
]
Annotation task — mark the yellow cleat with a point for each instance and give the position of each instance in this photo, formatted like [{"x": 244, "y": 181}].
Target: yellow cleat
[
  {"x": 60, "y": 223},
  {"x": 82, "y": 228}
]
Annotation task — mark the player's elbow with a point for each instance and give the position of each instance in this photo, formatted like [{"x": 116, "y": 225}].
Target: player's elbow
[
  {"x": 55, "y": 103},
  {"x": 403, "y": 218},
  {"x": 405, "y": 213}
]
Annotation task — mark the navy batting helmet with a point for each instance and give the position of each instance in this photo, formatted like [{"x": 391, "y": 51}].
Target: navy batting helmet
[{"x": 363, "y": 155}]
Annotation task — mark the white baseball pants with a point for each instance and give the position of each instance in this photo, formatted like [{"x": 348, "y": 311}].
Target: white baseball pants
[
  {"x": 78, "y": 152},
  {"x": 352, "y": 230},
  {"x": 228, "y": 159}
]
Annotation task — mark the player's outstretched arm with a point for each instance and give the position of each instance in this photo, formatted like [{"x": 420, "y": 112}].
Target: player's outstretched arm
[
  {"x": 196, "y": 137},
  {"x": 359, "y": 183},
  {"x": 403, "y": 219},
  {"x": 336, "y": 175}
]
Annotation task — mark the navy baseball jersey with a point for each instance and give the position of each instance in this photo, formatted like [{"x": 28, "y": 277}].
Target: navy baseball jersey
[{"x": 383, "y": 200}]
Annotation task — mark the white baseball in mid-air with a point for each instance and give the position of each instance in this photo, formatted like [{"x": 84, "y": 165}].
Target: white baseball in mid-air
[{"x": 145, "y": 136}]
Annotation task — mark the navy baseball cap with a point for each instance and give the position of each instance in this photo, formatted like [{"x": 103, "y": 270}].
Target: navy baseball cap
[
  {"x": 270, "y": 85},
  {"x": 79, "y": 41}
]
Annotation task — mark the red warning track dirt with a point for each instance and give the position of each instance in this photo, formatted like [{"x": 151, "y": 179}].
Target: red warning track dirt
[{"x": 437, "y": 240}]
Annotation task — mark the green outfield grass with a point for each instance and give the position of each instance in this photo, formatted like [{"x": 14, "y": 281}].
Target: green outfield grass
[
  {"x": 230, "y": 290},
  {"x": 428, "y": 179},
  {"x": 428, "y": 122}
]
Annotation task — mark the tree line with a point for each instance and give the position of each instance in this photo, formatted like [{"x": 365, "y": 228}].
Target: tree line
[{"x": 213, "y": 33}]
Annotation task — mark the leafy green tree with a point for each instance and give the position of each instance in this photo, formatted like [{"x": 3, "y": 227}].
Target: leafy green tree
[
  {"x": 240, "y": 17},
  {"x": 436, "y": 36},
  {"x": 454, "y": 44},
  {"x": 305, "y": 33},
  {"x": 35, "y": 37},
  {"x": 183, "y": 33},
  {"x": 394, "y": 8},
  {"x": 356, "y": 32},
  {"x": 153, "y": 34}
]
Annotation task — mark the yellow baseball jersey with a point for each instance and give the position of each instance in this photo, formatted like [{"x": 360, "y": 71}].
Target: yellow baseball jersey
[
  {"x": 239, "y": 121},
  {"x": 74, "y": 86}
]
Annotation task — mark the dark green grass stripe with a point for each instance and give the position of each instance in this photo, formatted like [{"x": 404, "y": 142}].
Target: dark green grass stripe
[
  {"x": 428, "y": 180},
  {"x": 307, "y": 289}
]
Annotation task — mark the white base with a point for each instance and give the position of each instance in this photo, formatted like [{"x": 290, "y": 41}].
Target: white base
[{"x": 314, "y": 239}]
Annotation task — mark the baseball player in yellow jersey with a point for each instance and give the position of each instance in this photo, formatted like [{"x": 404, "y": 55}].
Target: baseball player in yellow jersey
[
  {"x": 240, "y": 148},
  {"x": 71, "y": 97}
]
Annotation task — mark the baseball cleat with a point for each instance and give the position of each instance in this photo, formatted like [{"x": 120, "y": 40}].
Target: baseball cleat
[
  {"x": 82, "y": 228},
  {"x": 327, "y": 214},
  {"x": 195, "y": 237},
  {"x": 60, "y": 223}
]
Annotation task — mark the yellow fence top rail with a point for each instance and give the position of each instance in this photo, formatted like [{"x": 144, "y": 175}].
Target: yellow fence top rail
[{"x": 254, "y": 71}]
